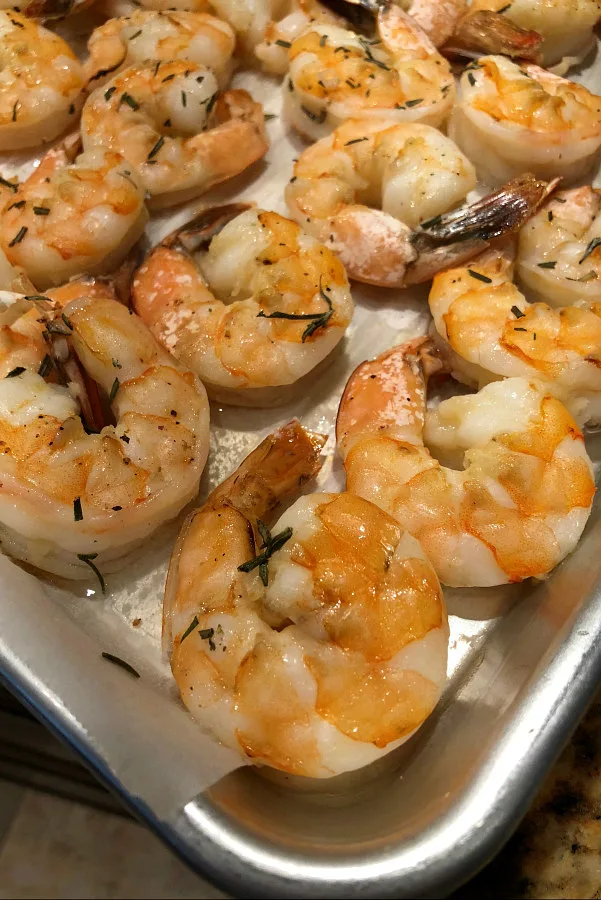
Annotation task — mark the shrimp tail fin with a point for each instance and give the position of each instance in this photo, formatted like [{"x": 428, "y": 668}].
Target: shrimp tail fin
[
  {"x": 457, "y": 236},
  {"x": 199, "y": 231},
  {"x": 485, "y": 32},
  {"x": 385, "y": 396},
  {"x": 276, "y": 469}
]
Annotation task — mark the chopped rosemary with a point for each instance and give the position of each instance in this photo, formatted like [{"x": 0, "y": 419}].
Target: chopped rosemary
[
  {"x": 102, "y": 72},
  {"x": 77, "y": 510},
  {"x": 211, "y": 103},
  {"x": 18, "y": 204},
  {"x": 207, "y": 634},
  {"x": 189, "y": 629},
  {"x": 282, "y": 43},
  {"x": 9, "y": 184},
  {"x": 156, "y": 148},
  {"x": 517, "y": 312},
  {"x": 479, "y": 277},
  {"x": 88, "y": 559},
  {"x": 550, "y": 215},
  {"x": 184, "y": 97},
  {"x": 14, "y": 115},
  {"x": 108, "y": 94},
  {"x": 504, "y": 8},
  {"x": 370, "y": 57},
  {"x": 315, "y": 117},
  {"x": 19, "y": 236},
  {"x": 269, "y": 116},
  {"x": 41, "y": 210},
  {"x": 114, "y": 389},
  {"x": 590, "y": 276},
  {"x": 127, "y": 98},
  {"x": 116, "y": 363},
  {"x": 167, "y": 123},
  {"x": 520, "y": 329},
  {"x": 169, "y": 77},
  {"x": 45, "y": 366},
  {"x": 137, "y": 34},
  {"x": 269, "y": 546},
  {"x": 471, "y": 79},
  {"x": 323, "y": 40},
  {"x": 120, "y": 662},
  {"x": 316, "y": 320},
  {"x": 18, "y": 370},
  {"x": 414, "y": 102},
  {"x": 429, "y": 223},
  {"x": 355, "y": 141},
  {"x": 592, "y": 245},
  {"x": 547, "y": 265}
]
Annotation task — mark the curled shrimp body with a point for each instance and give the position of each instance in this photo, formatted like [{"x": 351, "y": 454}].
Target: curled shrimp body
[
  {"x": 490, "y": 331},
  {"x": 71, "y": 216},
  {"x": 559, "y": 249},
  {"x": 520, "y": 493},
  {"x": 41, "y": 84},
  {"x": 336, "y": 75},
  {"x": 330, "y": 654},
  {"x": 149, "y": 34},
  {"x": 278, "y": 35},
  {"x": 257, "y": 311},
  {"x": 68, "y": 496},
  {"x": 510, "y": 118},
  {"x": 412, "y": 171},
  {"x": 181, "y": 135},
  {"x": 566, "y": 26}
]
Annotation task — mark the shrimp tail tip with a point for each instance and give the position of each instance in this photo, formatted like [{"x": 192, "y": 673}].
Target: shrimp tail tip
[
  {"x": 202, "y": 228},
  {"x": 486, "y": 32}
]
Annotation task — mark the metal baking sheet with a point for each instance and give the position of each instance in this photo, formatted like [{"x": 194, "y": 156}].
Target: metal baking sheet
[{"x": 524, "y": 662}]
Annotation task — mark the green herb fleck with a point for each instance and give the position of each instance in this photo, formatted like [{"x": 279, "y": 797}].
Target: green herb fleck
[
  {"x": 114, "y": 389},
  {"x": 269, "y": 546},
  {"x": 9, "y": 184},
  {"x": 77, "y": 510},
  {"x": 88, "y": 559},
  {"x": 547, "y": 265},
  {"x": 479, "y": 277},
  {"x": 592, "y": 245},
  {"x": 156, "y": 148},
  {"x": 41, "y": 210},
  {"x": 108, "y": 94},
  {"x": 285, "y": 44},
  {"x": 517, "y": 312},
  {"x": 129, "y": 100},
  {"x": 120, "y": 662},
  {"x": 356, "y": 141},
  {"x": 189, "y": 629},
  {"x": 18, "y": 370},
  {"x": 19, "y": 236}
]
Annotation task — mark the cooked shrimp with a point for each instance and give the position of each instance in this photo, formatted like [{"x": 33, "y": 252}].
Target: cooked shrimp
[
  {"x": 170, "y": 121},
  {"x": 414, "y": 173},
  {"x": 72, "y": 217},
  {"x": 41, "y": 88},
  {"x": 510, "y": 118},
  {"x": 482, "y": 32},
  {"x": 438, "y": 18},
  {"x": 411, "y": 170},
  {"x": 258, "y": 310},
  {"x": 492, "y": 332},
  {"x": 149, "y": 34},
  {"x": 69, "y": 498},
  {"x": 566, "y": 26},
  {"x": 315, "y": 650},
  {"x": 336, "y": 75},
  {"x": 520, "y": 493},
  {"x": 559, "y": 249},
  {"x": 278, "y": 35}
]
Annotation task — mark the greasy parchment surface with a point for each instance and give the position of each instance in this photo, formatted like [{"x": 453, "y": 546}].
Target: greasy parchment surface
[{"x": 138, "y": 728}]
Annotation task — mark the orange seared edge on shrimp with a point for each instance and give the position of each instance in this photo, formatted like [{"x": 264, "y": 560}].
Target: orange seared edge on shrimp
[
  {"x": 520, "y": 493},
  {"x": 315, "y": 647}
]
